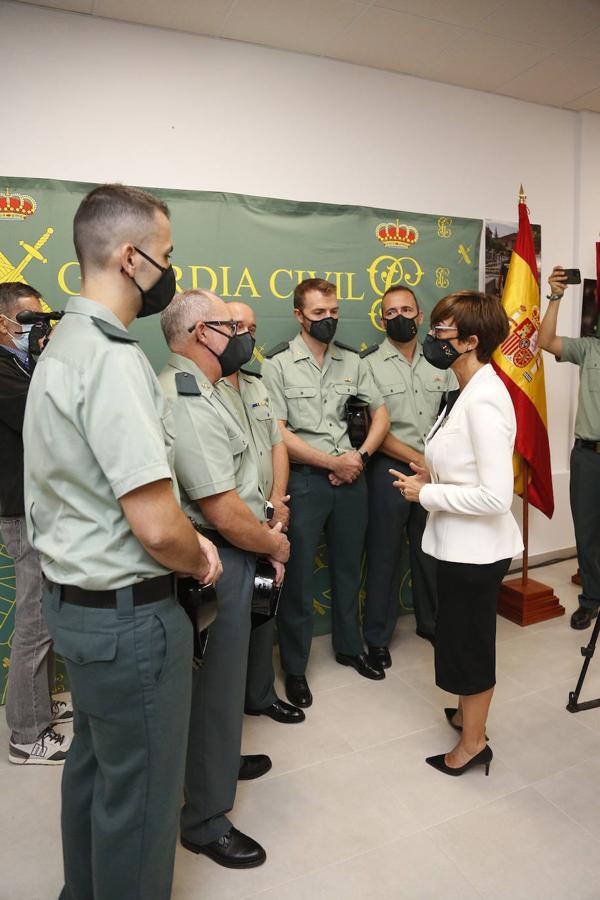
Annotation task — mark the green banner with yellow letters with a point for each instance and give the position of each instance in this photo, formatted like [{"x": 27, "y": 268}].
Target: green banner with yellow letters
[{"x": 254, "y": 249}]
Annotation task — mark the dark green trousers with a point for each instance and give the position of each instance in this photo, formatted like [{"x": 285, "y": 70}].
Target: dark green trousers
[
  {"x": 341, "y": 513},
  {"x": 260, "y": 677},
  {"x": 130, "y": 671},
  {"x": 213, "y": 760},
  {"x": 390, "y": 516},
  {"x": 585, "y": 507}
]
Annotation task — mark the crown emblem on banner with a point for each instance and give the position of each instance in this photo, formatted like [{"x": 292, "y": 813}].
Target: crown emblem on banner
[
  {"x": 16, "y": 206},
  {"x": 395, "y": 234}
]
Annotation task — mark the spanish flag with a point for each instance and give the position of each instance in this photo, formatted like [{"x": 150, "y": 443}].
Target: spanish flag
[{"x": 518, "y": 362}]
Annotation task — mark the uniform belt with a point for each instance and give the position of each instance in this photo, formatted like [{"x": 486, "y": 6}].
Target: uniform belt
[
  {"x": 217, "y": 539},
  {"x": 588, "y": 445},
  {"x": 151, "y": 590},
  {"x": 305, "y": 469}
]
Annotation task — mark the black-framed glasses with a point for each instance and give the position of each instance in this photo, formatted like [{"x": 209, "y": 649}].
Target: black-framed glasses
[{"x": 226, "y": 323}]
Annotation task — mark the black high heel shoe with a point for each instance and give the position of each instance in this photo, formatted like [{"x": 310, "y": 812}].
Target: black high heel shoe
[
  {"x": 450, "y": 712},
  {"x": 484, "y": 758}
]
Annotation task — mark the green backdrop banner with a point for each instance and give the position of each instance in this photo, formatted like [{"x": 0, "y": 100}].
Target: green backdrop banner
[{"x": 254, "y": 249}]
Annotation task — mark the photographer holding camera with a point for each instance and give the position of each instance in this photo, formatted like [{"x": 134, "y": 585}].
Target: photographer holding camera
[
  {"x": 30, "y": 711},
  {"x": 585, "y": 455}
]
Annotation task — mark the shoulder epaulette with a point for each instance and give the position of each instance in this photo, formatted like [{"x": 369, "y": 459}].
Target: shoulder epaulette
[
  {"x": 278, "y": 348},
  {"x": 345, "y": 347},
  {"x": 186, "y": 385},
  {"x": 369, "y": 350},
  {"x": 111, "y": 331},
  {"x": 252, "y": 374}
]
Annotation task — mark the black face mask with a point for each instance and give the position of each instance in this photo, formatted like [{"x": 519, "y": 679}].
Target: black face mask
[
  {"x": 235, "y": 353},
  {"x": 322, "y": 330},
  {"x": 401, "y": 329},
  {"x": 441, "y": 354},
  {"x": 158, "y": 297}
]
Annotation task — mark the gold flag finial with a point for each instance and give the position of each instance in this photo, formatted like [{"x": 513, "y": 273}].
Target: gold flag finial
[{"x": 522, "y": 195}]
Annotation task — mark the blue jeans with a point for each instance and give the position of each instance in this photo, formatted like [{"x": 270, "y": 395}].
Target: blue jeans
[{"x": 28, "y": 710}]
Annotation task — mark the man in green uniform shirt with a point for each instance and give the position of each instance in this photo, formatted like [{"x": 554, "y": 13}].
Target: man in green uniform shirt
[
  {"x": 245, "y": 396},
  {"x": 585, "y": 455},
  {"x": 219, "y": 482},
  {"x": 309, "y": 381},
  {"x": 412, "y": 390},
  {"x": 102, "y": 511}
]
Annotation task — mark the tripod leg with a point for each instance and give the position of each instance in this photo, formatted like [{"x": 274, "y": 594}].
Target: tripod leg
[{"x": 587, "y": 652}]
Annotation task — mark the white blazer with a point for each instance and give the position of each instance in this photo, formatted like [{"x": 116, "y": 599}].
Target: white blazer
[{"x": 469, "y": 456}]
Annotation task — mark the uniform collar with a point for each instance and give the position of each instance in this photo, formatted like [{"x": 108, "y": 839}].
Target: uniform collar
[
  {"x": 300, "y": 350},
  {"x": 84, "y": 307},
  {"x": 183, "y": 364},
  {"x": 389, "y": 351}
]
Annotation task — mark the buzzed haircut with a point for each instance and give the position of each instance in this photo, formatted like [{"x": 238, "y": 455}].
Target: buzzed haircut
[
  {"x": 401, "y": 287},
  {"x": 185, "y": 310},
  {"x": 110, "y": 215},
  {"x": 10, "y": 294},
  {"x": 312, "y": 284}
]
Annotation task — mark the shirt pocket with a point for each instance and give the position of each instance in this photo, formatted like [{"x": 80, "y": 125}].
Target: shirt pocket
[
  {"x": 260, "y": 411},
  {"x": 341, "y": 393},
  {"x": 594, "y": 377},
  {"x": 300, "y": 402}
]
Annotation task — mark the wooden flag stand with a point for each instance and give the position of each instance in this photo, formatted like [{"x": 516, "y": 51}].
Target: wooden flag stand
[{"x": 523, "y": 600}]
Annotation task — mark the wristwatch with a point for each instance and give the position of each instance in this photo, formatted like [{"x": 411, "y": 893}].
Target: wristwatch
[
  {"x": 364, "y": 456},
  {"x": 554, "y": 296}
]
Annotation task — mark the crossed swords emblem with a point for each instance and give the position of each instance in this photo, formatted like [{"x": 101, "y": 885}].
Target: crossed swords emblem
[{"x": 8, "y": 272}]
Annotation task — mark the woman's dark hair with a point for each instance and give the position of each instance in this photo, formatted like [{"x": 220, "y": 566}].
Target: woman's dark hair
[{"x": 474, "y": 313}]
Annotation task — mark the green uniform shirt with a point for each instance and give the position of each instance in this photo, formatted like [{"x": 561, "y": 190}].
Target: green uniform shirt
[
  {"x": 312, "y": 400},
  {"x": 96, "y": 427},
  {"x": 412, "y": 392},
  {"x": 585, "y": 352},
  {"x": 211, "y": 452},
  {"x": 252, "y": 407}
]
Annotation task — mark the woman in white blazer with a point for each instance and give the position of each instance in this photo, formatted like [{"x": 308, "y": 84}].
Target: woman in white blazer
[{"x": 467, "y": 489}]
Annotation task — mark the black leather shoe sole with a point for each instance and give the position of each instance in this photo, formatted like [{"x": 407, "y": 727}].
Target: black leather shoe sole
[
  {"x": 279, "y": 712},
  {"x": 222, "y": 859}
]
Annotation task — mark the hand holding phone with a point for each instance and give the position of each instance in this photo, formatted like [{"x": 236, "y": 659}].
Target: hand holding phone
[{"x": 573, "y": 276}]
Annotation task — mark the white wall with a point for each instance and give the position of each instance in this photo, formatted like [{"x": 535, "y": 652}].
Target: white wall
[{"x": 99, "y": 100}]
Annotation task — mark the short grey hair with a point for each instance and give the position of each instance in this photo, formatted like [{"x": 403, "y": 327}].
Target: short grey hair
[{"x": 185, "y": 310}]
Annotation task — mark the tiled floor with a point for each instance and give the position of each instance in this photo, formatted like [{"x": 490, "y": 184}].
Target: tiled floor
[{"x": 350, "y": 810}]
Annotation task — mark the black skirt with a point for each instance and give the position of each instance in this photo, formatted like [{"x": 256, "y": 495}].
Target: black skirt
[{"x": 465, "y": 631}]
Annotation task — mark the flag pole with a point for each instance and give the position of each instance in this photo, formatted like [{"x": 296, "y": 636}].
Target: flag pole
[{"x": 525, "y": 572}]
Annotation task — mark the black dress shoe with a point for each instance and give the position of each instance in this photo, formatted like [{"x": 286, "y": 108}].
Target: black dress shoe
[
  {"x": 234, "y": 850},
  {"x": 297, "y": 690},
  {"x": 252, "y": 767},
  {"x": 361, "y": 664},
  {"x": 280, "y": 711},
  {"x": 582, "y": 617},
  {"x": 379, "y": 657},
  {"x": 427, "y": 636},
  {"x": 484, "y": 758}
]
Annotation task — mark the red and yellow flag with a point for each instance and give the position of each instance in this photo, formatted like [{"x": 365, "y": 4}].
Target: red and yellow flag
[{"x": 518, "y": 362}]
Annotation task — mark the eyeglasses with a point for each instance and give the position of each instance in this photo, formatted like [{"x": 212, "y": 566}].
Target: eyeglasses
[
  {"x": 231, "y": 324},
  {"x": 441, "y": 328}
]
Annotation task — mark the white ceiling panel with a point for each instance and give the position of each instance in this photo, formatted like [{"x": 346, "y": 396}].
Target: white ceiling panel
[
  {"x": 485, "y": 62},
  {"x": 458, "y": 12},
  {"x": 557, "y": 80},
  {"x": 393, "y": 40},
  {"x": 551, "y": 23},
  {"x": 304, "y": 25},
  {"x": 545, "y": 51},
  {"x": 206, "y": 17},
  {"x": 589, "y": 101}
]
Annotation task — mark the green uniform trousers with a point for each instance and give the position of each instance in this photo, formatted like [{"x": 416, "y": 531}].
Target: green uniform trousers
[
  {"x": 130, "y": 671},
  {"x": 260, "y": 678},
  {"x": 341, "y": 513},
  {"x": 213, "y": 759},
  {"x": 585, "y": 507},
  {"x": 390, "y": 516}
]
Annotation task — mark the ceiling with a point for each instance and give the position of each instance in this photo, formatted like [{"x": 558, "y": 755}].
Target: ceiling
[{"x": 544, "y": 51}]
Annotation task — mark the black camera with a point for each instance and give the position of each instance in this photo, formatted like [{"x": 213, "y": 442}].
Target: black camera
[{"x": 41, "y": 326}]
